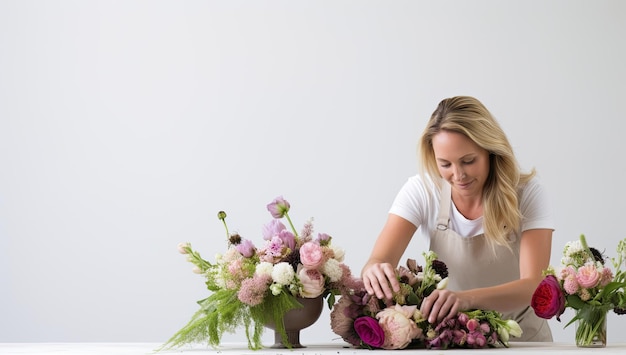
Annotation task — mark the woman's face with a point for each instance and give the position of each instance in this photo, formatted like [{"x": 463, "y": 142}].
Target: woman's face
[{"x": 461, "y": 162}]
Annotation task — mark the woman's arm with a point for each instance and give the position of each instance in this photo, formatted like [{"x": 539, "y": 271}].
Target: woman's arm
[
  {"x": 379, "y": 273},
  {"x": 535, "y": 251}
]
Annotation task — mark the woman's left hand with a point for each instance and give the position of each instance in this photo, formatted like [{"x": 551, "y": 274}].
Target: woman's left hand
[{"x": 441, "y": 305}]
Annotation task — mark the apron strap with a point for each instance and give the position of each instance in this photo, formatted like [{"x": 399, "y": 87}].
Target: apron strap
[{"x": 443, "y": 220}]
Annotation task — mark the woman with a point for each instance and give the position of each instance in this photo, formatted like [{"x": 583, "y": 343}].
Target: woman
[{"x": 486, "y": 220}]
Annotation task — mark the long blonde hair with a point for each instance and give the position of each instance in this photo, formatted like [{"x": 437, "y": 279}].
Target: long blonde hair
[{"x": 468, "y": 116}]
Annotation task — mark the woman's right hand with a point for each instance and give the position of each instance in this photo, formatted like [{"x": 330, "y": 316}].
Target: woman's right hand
[{"x": 380, "y": 279}]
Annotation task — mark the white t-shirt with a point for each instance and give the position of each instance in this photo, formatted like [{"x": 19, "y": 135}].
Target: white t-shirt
[{"x": 418, "y": 202}]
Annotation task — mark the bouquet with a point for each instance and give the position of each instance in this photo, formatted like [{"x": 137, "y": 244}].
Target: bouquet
[
  {"x": 586, "y": 284},
  {"x": 368, "y": 322},
  {"x": 254, "y": 286}
]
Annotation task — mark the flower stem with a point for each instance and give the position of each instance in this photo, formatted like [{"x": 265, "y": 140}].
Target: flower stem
[{"x": 295, "y": 233}]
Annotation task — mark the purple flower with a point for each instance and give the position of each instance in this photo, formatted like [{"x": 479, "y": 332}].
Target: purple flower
[
  {"x": 273, "y": 229},
  {"x": 370, "y": 332},
  {"x": 246, "y": 248},
  {"x": 289, "y": 240},
  {"x": 279, "y": 207}
]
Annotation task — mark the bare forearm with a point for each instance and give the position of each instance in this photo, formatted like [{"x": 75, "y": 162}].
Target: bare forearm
[{"x": 502, "y": 298}]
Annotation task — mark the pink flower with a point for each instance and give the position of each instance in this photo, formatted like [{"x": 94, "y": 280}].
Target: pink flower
[
  {"x": 370, "y": 331},
  {"x": 399, "y": 328},
  {"x": 570, "y": 284},
  {"x": 548, "y": 299},
  {"x": 289, "y": 240},
  {"x": 279, "y": 207},
  {"x": 246, "y": 248},
  {"x": 253, "y": 290},
  {"x": 312, "y": 282},
  {"x": 272, "y": 229},
  {"x": 607, "y": 276},
  {"x": 588, "y": 275},
  {"x": 311, "y": 255}
]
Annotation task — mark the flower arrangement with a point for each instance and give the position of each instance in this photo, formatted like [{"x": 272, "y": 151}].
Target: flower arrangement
[
  {"x": 252, "y": 287},
  {"x": 586, "y": 284},
  {"x": 368, "y": 322}
]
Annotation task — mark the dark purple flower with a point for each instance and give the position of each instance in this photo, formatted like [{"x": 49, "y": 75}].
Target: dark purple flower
[
  {"x": 548, "y": 299},
  {"x": 370, "y": 332}
]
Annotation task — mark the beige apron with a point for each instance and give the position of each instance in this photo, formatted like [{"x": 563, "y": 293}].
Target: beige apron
[{"x": 471, "y": 264}]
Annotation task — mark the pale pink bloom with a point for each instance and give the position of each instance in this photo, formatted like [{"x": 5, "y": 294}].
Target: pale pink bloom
[
  {"x": 252, "y": 291},
  {"x": 607, "y": 276},
  {"x": 183, "y": 248},
  {"x": 289, "y": 240},
  {"x": 472, "y": 324},
  {"x": 272, "y": 229},
  {"x": 588, "y": 275},
  {"x": 584, "y": 294},
  {"x": 570, "y": 285},
  {"x": 246, "y": 248},
  {"x": 399, "y": 328},
  {"x": 312, "y": 282},
  {"x": 567, "y": 271},
  {"x": 311, "y": 255}
]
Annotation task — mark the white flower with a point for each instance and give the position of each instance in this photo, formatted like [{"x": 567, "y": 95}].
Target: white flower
[
  {"x": 276, "y": 289},
  {"x": 339, "y": 253},
  {"x": 264, "y": 268},
  {"x": 514, "y": 328},
  {"x": 283, "y": 273},
  {"x": 332, "y": 269},
  {"x": 442, "y": 284}
]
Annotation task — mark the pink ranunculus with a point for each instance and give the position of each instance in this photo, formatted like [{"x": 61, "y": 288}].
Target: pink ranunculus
[
  {"x": 312, "y": 255},
  {"x": 312, "y": 282},
  {"x": 548, "y": 299},
  {"x": 399, "y": 328},
  {"x": 370, "y": 331},
  {"x": 272, "y": 229},
  {"x": 588, "y": 275}
]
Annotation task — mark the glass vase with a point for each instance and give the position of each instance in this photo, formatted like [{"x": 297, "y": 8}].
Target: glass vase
[{"x": 591, "y": 328}]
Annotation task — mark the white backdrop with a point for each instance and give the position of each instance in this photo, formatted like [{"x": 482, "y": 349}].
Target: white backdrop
[{"x": 126, "y": 125}]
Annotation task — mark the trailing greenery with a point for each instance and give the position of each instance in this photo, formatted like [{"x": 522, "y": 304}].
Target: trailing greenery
[{"x": 222, "y": 312}]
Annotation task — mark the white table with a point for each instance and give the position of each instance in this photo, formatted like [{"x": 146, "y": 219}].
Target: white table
[{"x": 314, "y": 349}]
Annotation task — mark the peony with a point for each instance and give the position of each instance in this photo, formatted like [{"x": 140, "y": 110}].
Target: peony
[
  {"x": 588, "y": 275},
  {"x": 548, "y": 300},
  {"x": 399, "y": 328},
  {"x": 312, "y": 282},
  {"x": 311, "y": 255},
  {"x": 370, "y": 331}
]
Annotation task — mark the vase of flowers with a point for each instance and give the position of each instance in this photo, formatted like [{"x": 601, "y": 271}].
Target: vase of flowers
[
  {"x": 295, "y": 320},
  {"x": 368, "y": 322},
  {"x": 257, "y": 287},
  {"x": 587, "y": 285}
]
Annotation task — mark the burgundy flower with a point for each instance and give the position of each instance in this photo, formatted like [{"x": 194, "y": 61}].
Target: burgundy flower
[
  {"x": 548, "y": 299},
  {"x": 370, "y": 332}
]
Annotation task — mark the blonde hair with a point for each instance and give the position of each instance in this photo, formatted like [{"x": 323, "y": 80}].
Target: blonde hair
[{"x": 468, "y": 116}]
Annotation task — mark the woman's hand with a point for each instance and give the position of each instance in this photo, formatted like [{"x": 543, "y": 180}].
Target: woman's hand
[
  {"x": 380, "y": 279},
  {"x": 441, "y": 305}
]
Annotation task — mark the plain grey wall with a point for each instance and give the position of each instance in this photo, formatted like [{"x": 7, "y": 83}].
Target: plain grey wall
[{"x": 126, "y": 125}]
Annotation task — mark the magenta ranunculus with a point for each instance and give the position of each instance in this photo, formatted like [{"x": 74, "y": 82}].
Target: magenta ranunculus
[
  {"x": 548, "y": 299},
  {"x": 370, "y": 332}
]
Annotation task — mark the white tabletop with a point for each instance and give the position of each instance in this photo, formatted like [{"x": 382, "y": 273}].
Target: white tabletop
[{"x": 317, "y": 349}]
